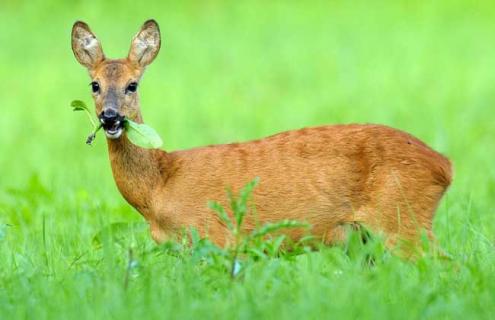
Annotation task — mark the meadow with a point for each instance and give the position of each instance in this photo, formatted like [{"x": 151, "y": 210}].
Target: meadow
[{"x": 72, "y": 248}]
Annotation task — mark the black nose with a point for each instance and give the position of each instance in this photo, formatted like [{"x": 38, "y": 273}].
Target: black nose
[{"x": 109, "y": 116}]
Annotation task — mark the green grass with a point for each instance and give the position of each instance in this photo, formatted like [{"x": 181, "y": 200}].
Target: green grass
[{"x": 232, "y": 72}]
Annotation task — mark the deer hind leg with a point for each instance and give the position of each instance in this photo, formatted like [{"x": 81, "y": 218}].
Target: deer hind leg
[
  {"x": 339, "y": 234},
  {"x": 403, "y": 210}
]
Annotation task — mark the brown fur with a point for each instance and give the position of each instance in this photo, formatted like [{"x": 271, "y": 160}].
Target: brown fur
[{"x": 328, "y": 176}]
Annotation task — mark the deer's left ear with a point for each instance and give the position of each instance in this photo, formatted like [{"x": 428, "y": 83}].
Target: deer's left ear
[{"x": 146, "y": 44}]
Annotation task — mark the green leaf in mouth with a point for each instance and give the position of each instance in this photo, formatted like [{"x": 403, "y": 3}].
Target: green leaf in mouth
[
  {"x": 78, "y": 105},
  {"x": 139, "y": 134},
  {"x": 142, "y": 135}
]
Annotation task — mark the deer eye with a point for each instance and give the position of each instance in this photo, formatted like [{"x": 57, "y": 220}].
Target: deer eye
[
  {"x": 95, "y": 87},
  {"x": 132, "y": 87}
]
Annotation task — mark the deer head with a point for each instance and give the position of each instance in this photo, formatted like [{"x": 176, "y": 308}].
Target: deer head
[{"x": 114, "y": 82}]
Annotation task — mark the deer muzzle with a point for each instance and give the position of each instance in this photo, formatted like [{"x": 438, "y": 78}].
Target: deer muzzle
[{"x": 112, "y": 122}]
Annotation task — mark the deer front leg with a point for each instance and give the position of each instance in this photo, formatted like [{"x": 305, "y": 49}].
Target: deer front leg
[{"x": 157, "y": 233}]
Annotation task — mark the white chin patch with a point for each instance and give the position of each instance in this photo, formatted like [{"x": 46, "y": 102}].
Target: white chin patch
[{"x": 113, "y": 134}]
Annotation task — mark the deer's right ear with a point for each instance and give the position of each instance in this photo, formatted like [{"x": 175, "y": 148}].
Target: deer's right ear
[{"x": 87, "y": 49}]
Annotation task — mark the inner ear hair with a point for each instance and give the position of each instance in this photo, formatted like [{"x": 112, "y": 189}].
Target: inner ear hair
[{"x": 86, "y": 47}]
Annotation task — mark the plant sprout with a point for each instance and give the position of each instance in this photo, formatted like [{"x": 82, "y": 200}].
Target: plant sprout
[{"x": 138, "y": 133}]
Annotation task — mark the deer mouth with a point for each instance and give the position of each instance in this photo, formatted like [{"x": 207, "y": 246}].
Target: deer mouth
[
  {"x": 113, "y": 126},
  {"x": 115, "y": 130}
]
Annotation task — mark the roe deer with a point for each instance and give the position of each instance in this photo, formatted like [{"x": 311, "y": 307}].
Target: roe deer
[{"x": 329, "y": 176}]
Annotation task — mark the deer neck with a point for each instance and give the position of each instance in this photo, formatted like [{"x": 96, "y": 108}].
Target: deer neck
[{"x": 137, "y": 171}]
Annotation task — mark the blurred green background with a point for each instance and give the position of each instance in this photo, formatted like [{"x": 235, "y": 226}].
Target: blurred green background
[{"x": 236, "y": 71}]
